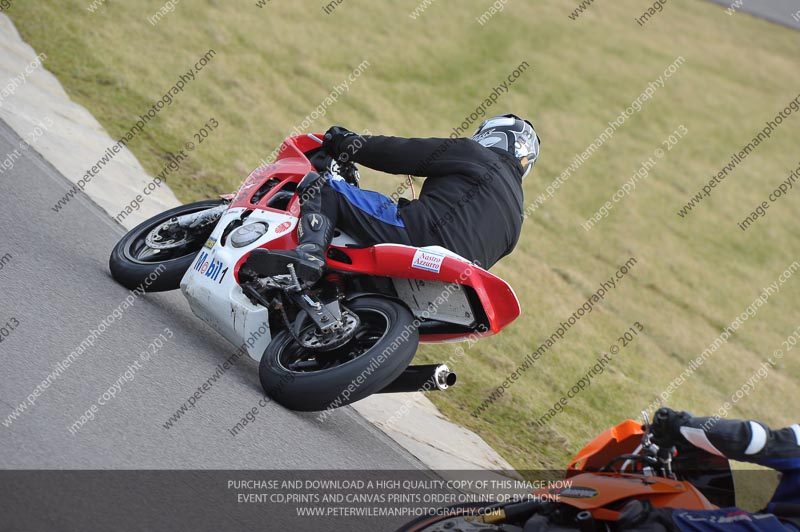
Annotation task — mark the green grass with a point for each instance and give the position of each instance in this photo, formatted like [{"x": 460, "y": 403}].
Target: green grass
[{"x": 694, "y": 275}]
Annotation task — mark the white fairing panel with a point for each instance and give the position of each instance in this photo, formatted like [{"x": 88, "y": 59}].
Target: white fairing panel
[{"x": 216, "y": 298}]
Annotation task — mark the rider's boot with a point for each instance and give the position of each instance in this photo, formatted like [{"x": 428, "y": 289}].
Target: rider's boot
[{"x": 315, "y": 232}]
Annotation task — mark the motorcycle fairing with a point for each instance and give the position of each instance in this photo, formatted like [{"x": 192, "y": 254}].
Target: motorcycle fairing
[
  {"x": 496, "y": 298},
  {"x": 213, "y": 292},
  {"x": 598, "y": 493},
  {"x": 268, "y": 195},
  {"x": 662, "y": 492},
  {"x": 617, "y": 440}
]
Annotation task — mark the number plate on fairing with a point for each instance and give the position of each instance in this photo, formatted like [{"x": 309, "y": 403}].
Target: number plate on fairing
[{"x": 436, "y": 300}]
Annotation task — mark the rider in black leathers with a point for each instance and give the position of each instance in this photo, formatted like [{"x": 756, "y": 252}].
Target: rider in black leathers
[{"x": 471, "y": 202}]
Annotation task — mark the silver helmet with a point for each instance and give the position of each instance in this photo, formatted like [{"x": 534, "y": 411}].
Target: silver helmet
[{"x": 510, "y": 133}]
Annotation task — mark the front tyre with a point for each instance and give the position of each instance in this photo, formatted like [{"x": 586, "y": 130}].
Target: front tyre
[
  {"x": 134, "y": 263},
  {"x": 381, "y": 349}
]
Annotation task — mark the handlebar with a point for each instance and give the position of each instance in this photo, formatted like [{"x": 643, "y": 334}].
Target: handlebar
[{"x": 657, "y": 459}]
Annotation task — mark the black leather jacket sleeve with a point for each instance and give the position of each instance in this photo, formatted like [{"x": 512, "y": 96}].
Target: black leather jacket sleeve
[
  {"x": 429, "y": 157},
  {"x": 746, "y": 441}
]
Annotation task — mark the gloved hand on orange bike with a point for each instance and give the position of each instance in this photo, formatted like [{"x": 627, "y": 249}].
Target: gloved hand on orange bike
[{"x": 666, "y": 427}]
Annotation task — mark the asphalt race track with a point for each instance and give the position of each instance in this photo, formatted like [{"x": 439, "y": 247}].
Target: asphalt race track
[{"x": 779, "y": 11}]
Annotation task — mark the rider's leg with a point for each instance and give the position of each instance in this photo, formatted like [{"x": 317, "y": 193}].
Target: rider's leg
[
  {"x": 314, "y": 232},
  {"x": 368, "y": 216}
]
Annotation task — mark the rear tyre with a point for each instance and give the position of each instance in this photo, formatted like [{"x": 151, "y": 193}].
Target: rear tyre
[
  {"x": 134, "y": 264},
  {"x": 381, "y": 349}
]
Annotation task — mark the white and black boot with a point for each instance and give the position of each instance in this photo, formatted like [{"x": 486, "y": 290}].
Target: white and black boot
[{"x": 314, "y": 232}]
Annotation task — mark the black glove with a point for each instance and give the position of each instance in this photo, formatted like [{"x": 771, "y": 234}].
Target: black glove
[
  {"x": 336, "y": 142},
  {"x": 667, "y": 425}
]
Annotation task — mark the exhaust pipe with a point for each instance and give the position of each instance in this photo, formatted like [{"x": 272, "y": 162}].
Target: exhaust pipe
[{"x": 427, "y": 378}]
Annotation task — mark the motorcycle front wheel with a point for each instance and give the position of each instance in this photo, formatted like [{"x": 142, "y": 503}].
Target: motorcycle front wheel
[
  {"x": 381, "y": 348},
  {"x": 134, "y": 263}
]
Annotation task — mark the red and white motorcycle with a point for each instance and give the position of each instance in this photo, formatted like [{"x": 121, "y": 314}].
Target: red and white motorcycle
[{"x": 355, "y": 331}]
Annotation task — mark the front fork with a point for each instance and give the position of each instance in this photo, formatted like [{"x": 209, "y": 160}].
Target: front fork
[{"x": 198, "y": 219}]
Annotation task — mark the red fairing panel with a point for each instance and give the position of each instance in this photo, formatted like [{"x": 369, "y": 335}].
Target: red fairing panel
[
  {"x": 290, "y": 166},
  {"x": 395, "y": 260}
]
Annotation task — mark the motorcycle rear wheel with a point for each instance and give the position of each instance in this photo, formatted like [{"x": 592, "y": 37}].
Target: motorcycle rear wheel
[
  {"x": 133, "y": 264},
  {"x": 380, "y": 350}
]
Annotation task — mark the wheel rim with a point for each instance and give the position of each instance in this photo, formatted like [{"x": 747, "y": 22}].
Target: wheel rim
[
  {"x": 183, "y": 243},
  {"x": 373, "y": 328}
]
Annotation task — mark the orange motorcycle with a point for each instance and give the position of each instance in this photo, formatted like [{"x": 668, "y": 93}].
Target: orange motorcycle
[{"x": 620, "y": 465}]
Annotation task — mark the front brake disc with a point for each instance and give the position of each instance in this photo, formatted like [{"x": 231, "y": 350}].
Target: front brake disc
[{"x": 316, "y": 340}]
